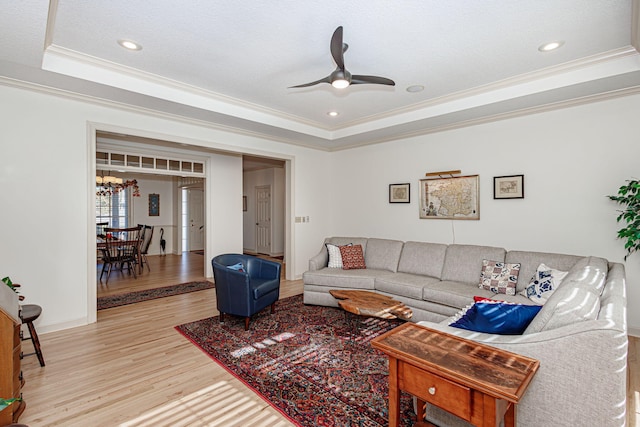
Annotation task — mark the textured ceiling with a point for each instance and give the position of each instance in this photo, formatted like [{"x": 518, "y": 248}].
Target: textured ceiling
[{"x": 231, "y": 63}]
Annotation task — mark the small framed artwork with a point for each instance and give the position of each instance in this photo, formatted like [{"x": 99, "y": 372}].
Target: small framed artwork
[
  {"x": 508, "y": 187},
  {"x": 244, "y": 203},
  {"x": 400, "y": 193},
  {"x": 154, "y": 205}
]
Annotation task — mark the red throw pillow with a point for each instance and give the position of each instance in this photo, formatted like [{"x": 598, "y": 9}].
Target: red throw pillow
[
  {"x": 352, "y": 257},
  {"x": 480, "y": 299}
]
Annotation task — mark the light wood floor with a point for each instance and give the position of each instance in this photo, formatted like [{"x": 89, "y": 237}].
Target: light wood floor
[
  {"x": 132, "y": 368},
  {"x": 165, "y": 271}
]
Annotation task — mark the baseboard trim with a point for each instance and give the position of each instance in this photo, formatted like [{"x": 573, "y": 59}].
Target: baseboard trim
[{"x": 634, "y": 332}]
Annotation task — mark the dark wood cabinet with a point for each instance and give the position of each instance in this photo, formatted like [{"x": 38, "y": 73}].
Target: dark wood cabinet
[{"x": 11, "y": 379}]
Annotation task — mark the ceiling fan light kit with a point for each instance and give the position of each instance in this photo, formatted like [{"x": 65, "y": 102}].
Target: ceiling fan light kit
[{"x": 340, "y": 78}]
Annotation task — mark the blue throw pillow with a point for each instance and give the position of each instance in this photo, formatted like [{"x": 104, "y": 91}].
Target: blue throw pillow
[
  {"x": 497, "y": 317},
  {"x": 238, "y": 267}
]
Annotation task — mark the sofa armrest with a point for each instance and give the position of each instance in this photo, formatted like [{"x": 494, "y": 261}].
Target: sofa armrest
[
  {"x": 576, "y": 361},
  {"x": 319, "y": 261}
]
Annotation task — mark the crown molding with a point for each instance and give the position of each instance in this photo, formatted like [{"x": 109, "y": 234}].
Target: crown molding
[
  {"x": 618, "y": 58},
  {"x": 34, "y": 87},
  {"x": 498, "y": 117},
  {"x": 79, "y": 65},
  {"x": 47, "y": 90}
]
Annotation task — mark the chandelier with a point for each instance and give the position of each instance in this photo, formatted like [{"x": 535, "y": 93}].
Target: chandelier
[{"x": 109, "y": 185}]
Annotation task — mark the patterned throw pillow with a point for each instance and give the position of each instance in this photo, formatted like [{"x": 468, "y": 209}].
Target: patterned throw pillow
[
  {"x": 352, "y": 257},
  {"x": 496, "y": 317},
  {"x": 543, "y": 283},
  {"x": 499, "y": 277},
  {"x": 335, "y": 257}
]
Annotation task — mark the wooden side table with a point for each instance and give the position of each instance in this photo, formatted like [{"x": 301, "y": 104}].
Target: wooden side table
[{"x": 478, "y": 383}]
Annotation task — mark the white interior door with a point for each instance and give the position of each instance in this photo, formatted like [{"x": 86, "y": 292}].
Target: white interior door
[
  {"x": 196, "y": 219},
  {"x": 263, "y": 219}
]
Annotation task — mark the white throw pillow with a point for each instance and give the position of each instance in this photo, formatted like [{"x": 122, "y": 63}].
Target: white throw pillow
[
  {"x": 543, "y": 283},
  {"x": 335, "y": 257}
]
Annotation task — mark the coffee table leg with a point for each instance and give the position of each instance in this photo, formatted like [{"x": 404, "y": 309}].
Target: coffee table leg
[{"x": 394, "y": 393}]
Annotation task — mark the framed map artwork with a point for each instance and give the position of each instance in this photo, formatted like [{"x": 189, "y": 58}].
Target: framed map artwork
[{"x": 450, "y": 198}]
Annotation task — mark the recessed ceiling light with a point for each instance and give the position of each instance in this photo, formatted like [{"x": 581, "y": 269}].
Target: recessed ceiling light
[
  {"x": 128, "y": 44},
  {"x": 333, "y": 113},
  {"x": 415, "y": 88},
  {"x": 548, "y": 47}
]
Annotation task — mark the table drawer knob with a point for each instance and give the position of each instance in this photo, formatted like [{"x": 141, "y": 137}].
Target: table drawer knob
[{"x": 432, "y": 390}]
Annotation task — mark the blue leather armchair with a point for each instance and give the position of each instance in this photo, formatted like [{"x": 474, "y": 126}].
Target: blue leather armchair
[{"x": 247, "y": 291}]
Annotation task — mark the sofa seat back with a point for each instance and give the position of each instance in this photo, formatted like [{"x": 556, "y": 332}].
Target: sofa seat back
[
  {"x": 529, "y": 262},
  {"x": 383, "y": 254},
  {"x": 424, "y": 259},
  {"x": 463, "y": 263}
]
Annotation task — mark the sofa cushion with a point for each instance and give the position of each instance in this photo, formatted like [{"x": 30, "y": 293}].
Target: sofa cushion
[
  {"x": 576, "y": 299},
  {"x": 383, "y": 254},
  {"x": 453, "y": 294},
  {"x": 499, "y": 277},
  {"x": 421, "y": 258},
  {"x": 529, "y": 262},
  {"x": 543, "y": 283},
  {"x": 403, "y": 284},
  {"x": 352, "y": 257},
  {"x": 338, "y": 278},
  {"x": 496, "y": 317},
  {"x": 462, "y": 263}
]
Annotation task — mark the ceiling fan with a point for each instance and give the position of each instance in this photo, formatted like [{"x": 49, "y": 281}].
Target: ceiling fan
[{"x": 340, "y": 78}]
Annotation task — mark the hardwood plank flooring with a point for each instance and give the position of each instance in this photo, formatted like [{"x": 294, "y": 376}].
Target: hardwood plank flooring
[
  {"x": 131, "y": 368},
  {"x": 165, "y": 271}
]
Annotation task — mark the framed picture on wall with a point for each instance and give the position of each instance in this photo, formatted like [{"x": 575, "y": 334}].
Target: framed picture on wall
[
  {"x": 400, "y": 193},
  {"x": 154, "y": 205},
  {"x": 508, "y": 187},
  {"x": 450, "y": 198}
]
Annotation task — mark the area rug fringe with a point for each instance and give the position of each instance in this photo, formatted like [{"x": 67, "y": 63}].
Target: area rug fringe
[
  {"x": 312, "y": 364},
  {"x": 149, "y": 294}
]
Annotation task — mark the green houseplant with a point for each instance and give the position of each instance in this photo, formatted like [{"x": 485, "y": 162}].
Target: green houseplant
[{"x": 629, "y": 198}]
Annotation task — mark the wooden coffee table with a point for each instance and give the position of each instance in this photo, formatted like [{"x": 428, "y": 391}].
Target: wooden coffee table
[
  {"x": 372, "y": 304},
  {"x": 478, "y": 383}
]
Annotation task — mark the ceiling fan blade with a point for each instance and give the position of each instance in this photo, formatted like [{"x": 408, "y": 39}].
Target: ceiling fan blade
[
  {"x": 337, "y": 48},
  {"x": 323, "y": 80},
  {"x": 359, "y": 80}
]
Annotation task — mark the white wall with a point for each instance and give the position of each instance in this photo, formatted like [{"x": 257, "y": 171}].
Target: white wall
[
  {"x": 165, "y": 187},
  {"x": 47, "y": 186},
  {"x": 276, "y": 179},
  {"x": 571, "y": 160}
]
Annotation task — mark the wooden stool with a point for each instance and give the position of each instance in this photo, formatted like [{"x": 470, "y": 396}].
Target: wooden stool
[{"x": 29, "y": 313}]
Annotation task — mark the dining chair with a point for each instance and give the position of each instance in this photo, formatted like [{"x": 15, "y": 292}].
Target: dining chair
[
  {"x": 145, "y": 242},
  {"x": 100, "y": 226},
  {"x": 121, "y": 248}
]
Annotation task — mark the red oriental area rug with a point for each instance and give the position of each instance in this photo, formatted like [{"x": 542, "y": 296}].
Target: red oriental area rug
[{"x": 313, "y": 364}]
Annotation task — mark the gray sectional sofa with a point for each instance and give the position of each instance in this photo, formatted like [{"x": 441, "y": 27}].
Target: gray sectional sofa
[{"x": 579, "y": 335}]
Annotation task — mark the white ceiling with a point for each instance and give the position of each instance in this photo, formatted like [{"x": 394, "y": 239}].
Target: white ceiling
[{"x": 230, "y": 64}]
